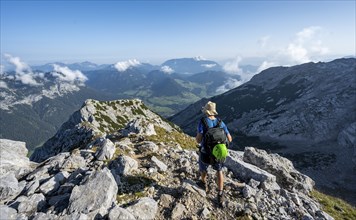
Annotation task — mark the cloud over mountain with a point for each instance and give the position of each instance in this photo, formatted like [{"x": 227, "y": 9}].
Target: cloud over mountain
[
  {"x": 23, "y": 71},
  {"x": 167, "y": 69},
  {"x": 124, "y": 65},
  {"x": 65, "y": 74},
  {"x": 306, "y": 45}
]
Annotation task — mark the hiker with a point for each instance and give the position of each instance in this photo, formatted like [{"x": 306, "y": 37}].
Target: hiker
[{"x": 206, "y": 157}]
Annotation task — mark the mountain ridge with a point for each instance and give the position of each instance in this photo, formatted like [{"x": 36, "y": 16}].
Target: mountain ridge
[{"x": 137, "y": 165}]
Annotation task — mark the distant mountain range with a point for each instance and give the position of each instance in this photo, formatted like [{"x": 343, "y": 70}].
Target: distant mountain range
[
  {"x": 305, "y": 112},
  {"x": 45, "y": 98}
]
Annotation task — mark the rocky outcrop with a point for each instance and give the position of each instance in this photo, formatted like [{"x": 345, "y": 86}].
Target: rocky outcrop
[
  {"x": 149, "y": 177},
  {"x": 98, "y": 119},
  {"x": 281, "y": 167},
  {"x": 14, "y": 157}
]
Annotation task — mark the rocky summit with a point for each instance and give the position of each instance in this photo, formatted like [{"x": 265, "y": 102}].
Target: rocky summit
[{"x": 119, "y": 160}]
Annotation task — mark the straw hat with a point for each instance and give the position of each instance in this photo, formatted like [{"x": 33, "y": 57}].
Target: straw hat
[{"x": 209, "y": 108}]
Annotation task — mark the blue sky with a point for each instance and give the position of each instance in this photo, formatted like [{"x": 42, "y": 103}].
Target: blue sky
[{"x": 261, "y": 32}]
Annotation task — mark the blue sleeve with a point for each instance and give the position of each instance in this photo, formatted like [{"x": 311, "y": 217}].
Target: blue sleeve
[
  {"x": 200, "y": 128},
  {"x": 225, "y": 128}
]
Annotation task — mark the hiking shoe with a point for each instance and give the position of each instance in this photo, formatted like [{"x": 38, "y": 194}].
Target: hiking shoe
[
  {"x": 202, "y": 185},
  {"x": 221, "y": 199}
]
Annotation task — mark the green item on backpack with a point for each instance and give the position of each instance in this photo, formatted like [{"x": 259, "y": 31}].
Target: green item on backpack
[{"x": 220, "y": 152}]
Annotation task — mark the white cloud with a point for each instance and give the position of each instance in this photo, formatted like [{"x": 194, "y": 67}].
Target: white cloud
[
  {"x": 264, "y": 40},
  {"x": 265, "y": 65},
  {"x": 208, "y": 65},
  {"x": 167, "y": 69},
  {"x": 229, "y": 84},
  {"x": 2, "y": 69},
  {"x": 65, "y": 74},
  {"x": 3, "y": 85},
  {"x": 124, "y": 65},
  {"x": 306, "y": 45},
  {"x": 19, "y": 65},
  {"x": 232, "y": 67},
  {"x": 23, "y": 71},
  {"x": 199, "y": 58}
]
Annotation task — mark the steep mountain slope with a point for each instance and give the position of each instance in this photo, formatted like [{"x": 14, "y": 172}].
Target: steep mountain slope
[
  {"x": 34, "y": 113},
  {"x": 137, "y": 166},
  {"x": 307, "y": 112}
]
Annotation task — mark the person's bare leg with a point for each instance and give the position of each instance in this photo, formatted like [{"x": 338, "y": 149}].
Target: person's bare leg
[
  {"x": 220, "y": 176},
  {"x": 203, "y": 176}
]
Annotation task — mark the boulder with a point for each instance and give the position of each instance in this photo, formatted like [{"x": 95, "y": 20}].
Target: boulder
[
  {"x": 159, "y": 164},
  {"x": 14, "y": 158},
  {"x": 287, "y": 176},
  {"x": 9, "y": 187},
  {"x": 32, "y": 204},
  {"x": 145, "y": 208},
  {"x": 148, "y": 147},
  {"x": 73, "y": 162},
  {"x": 54, "y": 183},
  {"x": 96, "y": 193},
  {"x": 246, "y": 171},
  {"x": 120, "y": 213},
  {"x": 106, "y": 150},
  {"x": 139, "y": 127},
  {"x": 124, "y": 165},
  {"x": 178, "y": 211},
  {"x": 7, "y": 213}
]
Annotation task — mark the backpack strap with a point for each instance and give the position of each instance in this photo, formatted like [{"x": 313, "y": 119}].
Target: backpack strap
[
  {"x": 218, "y": 124},
  {"x": 205, "y": 124}
]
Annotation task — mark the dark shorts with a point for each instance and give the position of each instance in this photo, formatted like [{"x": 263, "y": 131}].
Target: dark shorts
[{"x": 204, "y": 166}]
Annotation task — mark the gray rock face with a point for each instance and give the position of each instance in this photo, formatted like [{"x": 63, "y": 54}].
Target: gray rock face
[
  {"x": 9, "y": 187},
  {"x": 32, "y": 204},
  {"x": 159, "y": 164},
  {"x": 106, "y": 150},
  {"x": 247, "y": 171},
  {"x": 282, "y": 168},
  {"x": 96, "y": 194},
  {"x": 97, "y": 119},
  {"x": 53, "y": 183},
  {"x": 7, "y": 213},
  {"x": 120, "y": 213},
  {"x": 145, "y": 208},
  {"x": 148, "y": 146},
  {"x": 124, "y": 165},
  {"x": 178, "y": 211},
  {"x": 14, "y": 157}
]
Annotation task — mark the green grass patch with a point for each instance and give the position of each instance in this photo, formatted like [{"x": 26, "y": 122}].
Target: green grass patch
[
  {"x": 335, "y": 207},
  {"x": 185, "y": 141}
]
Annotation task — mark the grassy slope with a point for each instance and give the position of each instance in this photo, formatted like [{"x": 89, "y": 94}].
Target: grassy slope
[{"x": 335, "y": 207}]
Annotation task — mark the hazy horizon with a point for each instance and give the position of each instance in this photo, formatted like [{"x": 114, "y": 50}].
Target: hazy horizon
[{"x": 261, "y": 33}]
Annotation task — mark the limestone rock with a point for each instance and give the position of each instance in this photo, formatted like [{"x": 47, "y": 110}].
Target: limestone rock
[
  {"x": 14, "y": 158},
  {"x": 145, "y": 208},
  {"x": 103, "y": 189},
  {"x": 159, "y": 164},
  {"x": 178, "y": 211},
  {"x": 148, "y": 147},
  {"x": 32, "y": 204},
  {"x": 9, "y": 187},
  {"x": 7, "y": 213},
  {"x": 165, "y": 200},
  {"x": 106, "y": 150},
  {"x": 124, "y": 165},
  {"x": 283, "y": 168},
  {"x": 120, "y": 213},
  {"x": 247, "y": 171},
  {"x": 53, "y": 183}
]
